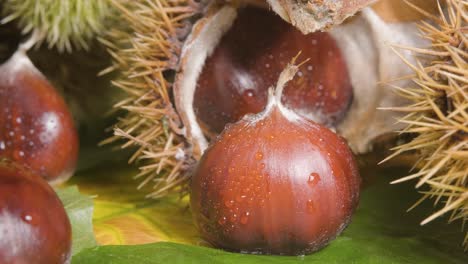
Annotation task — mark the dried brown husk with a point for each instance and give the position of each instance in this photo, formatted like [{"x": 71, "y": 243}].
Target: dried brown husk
[{"x": 313, "y": 15}]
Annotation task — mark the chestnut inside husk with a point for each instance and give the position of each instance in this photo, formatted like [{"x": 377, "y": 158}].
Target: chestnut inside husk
[
  {"x": 236, "y": 76},
  {"x": 169, "y": 108}
]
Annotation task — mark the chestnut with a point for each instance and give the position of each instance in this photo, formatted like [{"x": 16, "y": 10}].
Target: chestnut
[
  {"x": 235, "y": 78},
  {"x": 34, "y": 227},
  {"x": 275, "y": 183},
  {"x": 36, "y": 130}
]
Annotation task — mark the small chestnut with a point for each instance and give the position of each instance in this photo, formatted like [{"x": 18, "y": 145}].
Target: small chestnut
[
  {"x": 36, "y": 130},
  {"x": 275, "y": 183},
  {"x": 34, "y": 227},
  {"x": 235, "y": 78}
]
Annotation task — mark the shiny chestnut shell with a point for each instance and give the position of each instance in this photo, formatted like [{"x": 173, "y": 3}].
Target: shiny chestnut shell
[
  {"x": 274, "y": 185},
  {"x": 34, "y": 227},
  {"x": 247, "y": 61},
  {"x": 36, "y": 130}
]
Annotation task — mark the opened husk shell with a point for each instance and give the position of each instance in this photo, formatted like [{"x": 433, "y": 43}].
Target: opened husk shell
[{"x": 163, "y": 51}]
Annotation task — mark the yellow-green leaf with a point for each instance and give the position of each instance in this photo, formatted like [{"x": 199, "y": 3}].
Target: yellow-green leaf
[{"x": 123, "y": 216}]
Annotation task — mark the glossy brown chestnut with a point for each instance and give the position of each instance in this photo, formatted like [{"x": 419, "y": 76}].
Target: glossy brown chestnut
[
  {"x": 34, "y": 227},
  {"x": 36, "y": 128},
  {"x": 247, "y": 61},
  {"x": 275, "y": 183}
]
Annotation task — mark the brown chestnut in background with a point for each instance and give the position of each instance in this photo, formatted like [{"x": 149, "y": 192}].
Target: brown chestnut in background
[
  {"x": 34, "y": 227},
  {"x": 248, "y": 60},
  {"x": 275, "y": 183},
  {"x": 36, "y": 128}
]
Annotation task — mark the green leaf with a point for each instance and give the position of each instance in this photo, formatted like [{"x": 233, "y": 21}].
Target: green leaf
[
  {"x": 80, "y": 211},
  {"x": 165, "y": 252},
  {"x": 381, "y": 232}
]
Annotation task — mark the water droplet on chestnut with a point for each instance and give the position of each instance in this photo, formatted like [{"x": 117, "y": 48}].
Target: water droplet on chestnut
[
  {"x": 313, "y": 179},
  {"x": 222, "y": 220},
  {"x": 245, "y": 218},
  {"x": 235, "y": 78},
  {"x": 286, "y": 216},
  {"x": 38, "y": 130},
  {"x": 229, "y": 203},
  {"x": 34, "y": 227},
  {"x": 310, "y": 206},
  {"x": 259, "y": 155}
]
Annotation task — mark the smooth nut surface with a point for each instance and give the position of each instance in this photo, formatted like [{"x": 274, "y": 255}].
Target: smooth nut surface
[
  {"x": 274, "y": 186},
  {"x": 34, "y": 227},
  {"x": 36, "y": 130},
  {"x": 247, "y": 61}
]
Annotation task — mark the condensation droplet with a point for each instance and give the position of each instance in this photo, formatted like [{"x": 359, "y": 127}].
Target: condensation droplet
[
  {"x": 261, "y": 202},
  {"x": 310, "y": 206},
  {"x": 2, "y": 145},
  {"x": 18, "y": 120},
  {"x": 229, "y": 203},
  {"x": 233, "y": 218},
  {"x": 27, "y": 218},
  {"x": 240, "y": 198},
  {"x": 259, "y": 155},
  {"x": 245, "y": 218},
  {"x": 313, "y": 179},
  {"x": 222, "y": 220},
  {"x": 310, "y": 68},
  {"x": 249, "y": 93}
]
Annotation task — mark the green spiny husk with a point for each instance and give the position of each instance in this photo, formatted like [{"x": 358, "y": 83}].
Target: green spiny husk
[{"x": 63, "y": 24}]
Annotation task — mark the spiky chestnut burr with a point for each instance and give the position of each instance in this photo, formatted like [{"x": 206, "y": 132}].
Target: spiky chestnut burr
[
  {"x": 235, "y": 78},
  {"x": 34, "y": 227},
  {"x": 37, "y": 130},
  {"x": 275, "y": 183},
  {"x": 164, "y": 48},
  {"x": 64, "y": 24},
  {"x": 437, "y": 116}
]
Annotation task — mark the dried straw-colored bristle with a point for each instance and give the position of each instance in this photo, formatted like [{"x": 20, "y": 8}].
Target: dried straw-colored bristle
[
  {"x": 438, "y": 114},
  {"x": 146, "y": 53}
]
